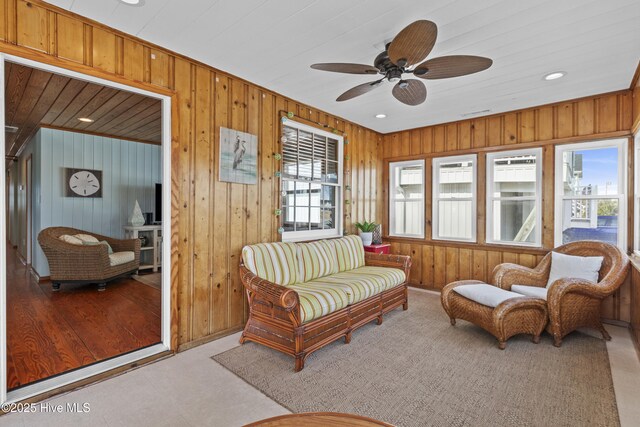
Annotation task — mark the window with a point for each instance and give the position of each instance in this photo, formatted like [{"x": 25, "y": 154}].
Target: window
[
  {"x": 406, "y": 198},
  {"x": 590, "y": 192},
  {"x": 454, "y": 198},
  {"x": 311, "y": 183},
  {"x": 514, "y": 181}
]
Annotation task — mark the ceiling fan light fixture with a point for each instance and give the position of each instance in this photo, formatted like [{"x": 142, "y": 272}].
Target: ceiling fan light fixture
[
  {"x": 133, "y": 2},
  {"x": 555, "y": 75},
  {"x": 381, "y": 116}
]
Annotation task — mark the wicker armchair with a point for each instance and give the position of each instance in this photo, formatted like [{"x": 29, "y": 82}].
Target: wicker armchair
[
  {"x": 572, "y": 303},
  {"x": 69, "y": 263}
]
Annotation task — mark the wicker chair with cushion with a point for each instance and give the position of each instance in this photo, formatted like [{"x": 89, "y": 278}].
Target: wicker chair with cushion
[
  {"x": 88, "y": 262},
  {"x": 572, "y": 303}
]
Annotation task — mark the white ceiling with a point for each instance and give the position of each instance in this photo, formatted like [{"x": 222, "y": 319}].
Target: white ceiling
[{"x": 273, "y": 42}]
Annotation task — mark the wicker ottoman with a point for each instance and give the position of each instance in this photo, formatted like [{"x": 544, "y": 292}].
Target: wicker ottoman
[{"x": 501, "y": 313}]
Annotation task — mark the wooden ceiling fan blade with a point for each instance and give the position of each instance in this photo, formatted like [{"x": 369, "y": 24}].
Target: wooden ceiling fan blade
[
  {"x": 445, "y": 67},
  {"x": 413, "y": 43},
  {"x": 346, "y": 68},
  {"x": 410, "y": 92},
  {"x": 358, "y": 90}
]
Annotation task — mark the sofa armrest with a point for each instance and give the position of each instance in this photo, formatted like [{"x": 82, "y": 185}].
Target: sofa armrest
[
  {"x": 119, "y": 245},
  {"x": 402, "y": 262},
  {"x": 275, "y": 294}
]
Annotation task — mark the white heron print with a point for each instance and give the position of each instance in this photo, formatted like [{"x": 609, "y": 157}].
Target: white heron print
[{"x": 238, "y": 157}]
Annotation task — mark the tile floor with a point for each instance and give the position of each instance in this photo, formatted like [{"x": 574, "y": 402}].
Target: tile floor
[{"x": 189, "y": 389}]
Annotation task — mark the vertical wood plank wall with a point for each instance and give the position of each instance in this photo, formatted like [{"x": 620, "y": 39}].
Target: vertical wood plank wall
[
  {"x": 437, "y": 263},
  {"x": 211, "y": 220}
]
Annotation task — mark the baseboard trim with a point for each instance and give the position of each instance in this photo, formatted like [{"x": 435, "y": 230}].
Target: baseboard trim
[
  {"x": 208, "y": 338},
  {"x": 636, "y": 343},
  {"x": 37, "y": 277},
  {"x": 614, "y": 322}
]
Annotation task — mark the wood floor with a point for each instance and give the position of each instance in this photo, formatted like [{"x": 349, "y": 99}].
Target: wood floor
[{"x": 49, "y": 333}]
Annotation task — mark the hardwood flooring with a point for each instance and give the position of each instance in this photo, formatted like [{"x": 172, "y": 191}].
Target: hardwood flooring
[{"x": 49, "y": 333}]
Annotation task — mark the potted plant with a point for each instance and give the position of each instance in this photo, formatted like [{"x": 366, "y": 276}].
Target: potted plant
[{"x": 366, "y": 231}]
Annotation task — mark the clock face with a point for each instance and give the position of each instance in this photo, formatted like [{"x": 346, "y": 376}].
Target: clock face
[{"x": 84, "y": 183}]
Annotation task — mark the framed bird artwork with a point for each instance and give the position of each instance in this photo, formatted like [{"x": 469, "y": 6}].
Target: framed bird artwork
[{"x": 238, "y": 157}]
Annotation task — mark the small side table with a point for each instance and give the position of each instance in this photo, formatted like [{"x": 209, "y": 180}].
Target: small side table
[{"x": 383, "y": 248}]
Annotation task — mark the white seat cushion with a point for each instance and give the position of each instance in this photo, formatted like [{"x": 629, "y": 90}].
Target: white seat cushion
[
  {"x": 578, "y": 267},
  {"x": 120, "y": 258},
  {"x": 484, "y": 294},
  {"x": 531, "y": 291}
]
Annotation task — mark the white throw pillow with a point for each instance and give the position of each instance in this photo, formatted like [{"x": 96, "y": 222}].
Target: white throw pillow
[
  {"x": 86, "y": 238},
  {"x": 70, "y": 239},
  {"x": 531, "y": 291},
  {"x": 484, "y": 294},
  {"x": 575, "y": 267}
]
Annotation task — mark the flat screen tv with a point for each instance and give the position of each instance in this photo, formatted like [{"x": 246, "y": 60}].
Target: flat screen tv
[{"x": 158, "y": 217}]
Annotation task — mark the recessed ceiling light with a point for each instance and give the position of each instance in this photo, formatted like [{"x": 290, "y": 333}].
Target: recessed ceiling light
[
  {"x": 380, "y": 116},
  {"x": 85, "y": 119},
  {"x": 555, "y": 75},
  {"x": 133, "y": 2}
]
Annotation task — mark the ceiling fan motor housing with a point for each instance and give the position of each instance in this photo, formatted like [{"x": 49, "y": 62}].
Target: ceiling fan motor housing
[{"x": 394, "y": 74}]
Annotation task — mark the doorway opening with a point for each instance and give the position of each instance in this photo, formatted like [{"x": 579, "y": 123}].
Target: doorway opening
[{"x": 87, "y": 171}]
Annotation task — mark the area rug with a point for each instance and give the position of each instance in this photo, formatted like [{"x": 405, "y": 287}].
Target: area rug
[
  {"x": 417, "y": 370},
  {"x": 153, "y": 279}
]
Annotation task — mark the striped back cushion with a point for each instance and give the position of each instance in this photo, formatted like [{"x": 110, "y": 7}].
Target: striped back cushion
[
  {"x": 350, "y": 252},
  {"x": 316, "y": 259},
  {"x": 275, "y": 262}
]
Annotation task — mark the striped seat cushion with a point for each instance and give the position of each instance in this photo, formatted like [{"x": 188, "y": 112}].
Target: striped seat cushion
[
  {"x": 350, "y": 252},
  {"x": 363, "y": 282},
  {"x": 319, "y": 300},
  {"x": 316, "y": 259},
  {"x": 275, "y": 262}
]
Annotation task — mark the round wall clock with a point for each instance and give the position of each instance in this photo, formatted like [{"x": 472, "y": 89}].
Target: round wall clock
[{"x": 84, "y": 183}]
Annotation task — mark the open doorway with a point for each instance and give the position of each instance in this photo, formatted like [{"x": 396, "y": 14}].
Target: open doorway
[{"x": 86, "y": 282}]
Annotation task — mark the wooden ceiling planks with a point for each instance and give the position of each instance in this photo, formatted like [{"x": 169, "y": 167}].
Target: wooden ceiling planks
[{"x": 37, "y": 98}]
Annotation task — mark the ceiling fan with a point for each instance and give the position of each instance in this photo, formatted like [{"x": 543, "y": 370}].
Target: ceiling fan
[{"x": 408, "y": 48}]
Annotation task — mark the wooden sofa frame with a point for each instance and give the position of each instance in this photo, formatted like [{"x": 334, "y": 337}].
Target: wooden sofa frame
[{"x": 274, "y": 318}]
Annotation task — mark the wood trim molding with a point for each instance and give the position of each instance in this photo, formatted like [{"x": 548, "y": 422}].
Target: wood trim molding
[
  {"x": 521, "y": 110},
  {"x": 208, "y": 338},
  {"x": 518, "y": 146},
  {"x": 87, "y": 132},
  {"x": 468, "y": 245}
]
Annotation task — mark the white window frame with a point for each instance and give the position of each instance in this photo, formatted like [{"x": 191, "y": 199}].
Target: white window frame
[
  {"x": 297, "y": 236},
  {"x": 636, "y": 196},
  {"x": 537, "y": 198},
  {"x": 436, "y": 163},
  {"x": 621, "y": 145},
  {"x": 392, "y": 184}
]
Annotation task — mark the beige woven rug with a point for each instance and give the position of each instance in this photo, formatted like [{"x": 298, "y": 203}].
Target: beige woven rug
[{"x": 417, "y": 370}]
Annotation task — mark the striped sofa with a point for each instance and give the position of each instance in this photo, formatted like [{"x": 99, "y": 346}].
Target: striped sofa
[{"x": 303, "y": 296}]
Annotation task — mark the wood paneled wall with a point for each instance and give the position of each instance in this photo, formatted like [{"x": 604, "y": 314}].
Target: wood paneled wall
[
  {"x": 436, "y": 263},
  {"x": 635, "y": 89},
  {"x": 211, "y": 220}
]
